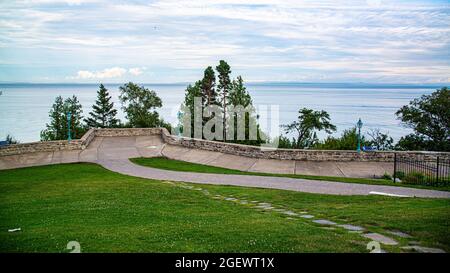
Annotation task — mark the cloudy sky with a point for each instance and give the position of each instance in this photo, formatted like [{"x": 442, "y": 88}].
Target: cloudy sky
[{"x": 173, "y": 41}]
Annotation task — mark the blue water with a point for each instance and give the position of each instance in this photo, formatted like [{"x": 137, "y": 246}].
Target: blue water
[{"x": 24, "y": 107}]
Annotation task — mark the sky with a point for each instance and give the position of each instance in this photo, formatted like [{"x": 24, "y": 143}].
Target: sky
[{"x": 111, "y": 41}]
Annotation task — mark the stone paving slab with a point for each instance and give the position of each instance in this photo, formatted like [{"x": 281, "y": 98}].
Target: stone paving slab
[
  {"x": 399, "y": 234},
  {"x": 352, "y": 227},
  {"x": 422, "y": 249},
  {"x": 273, "y": 166},
  {"x": 324, "y": 222},
  {"x": 380, "y": 238}
]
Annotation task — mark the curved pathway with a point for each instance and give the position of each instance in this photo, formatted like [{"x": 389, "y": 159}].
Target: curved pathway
[{"x": 124, "y": 166}]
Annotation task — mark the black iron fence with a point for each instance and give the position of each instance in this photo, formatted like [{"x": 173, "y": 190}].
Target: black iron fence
[{"x": 428, "y": 172}]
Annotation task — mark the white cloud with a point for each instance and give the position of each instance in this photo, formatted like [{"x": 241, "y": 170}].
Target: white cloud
[
  {"x": 136, "y": 71},
  {"x": 108, "y": 73}
]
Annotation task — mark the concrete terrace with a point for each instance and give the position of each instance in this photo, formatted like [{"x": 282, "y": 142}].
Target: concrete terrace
[{"x": 113, "y": 153}]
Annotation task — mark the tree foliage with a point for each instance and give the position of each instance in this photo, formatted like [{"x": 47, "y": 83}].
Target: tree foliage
[
  {"x": 57, "y": 129},
  {"x": 103, "y": 114},
  {"x": 227, "y": 93},
  {"x": 429, "y": 117},
  {"x": 139, "y": 104},
  {"x": 347, "y": 141},
  {"x": 305, "y": 127},
  {"x": 380, "y": 141}
]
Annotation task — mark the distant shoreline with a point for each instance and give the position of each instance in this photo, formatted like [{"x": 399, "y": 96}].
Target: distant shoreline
[{"x": 284, "y": 84}]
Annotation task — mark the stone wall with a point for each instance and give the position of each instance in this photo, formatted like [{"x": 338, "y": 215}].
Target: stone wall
[
  {"x": 115, "y": 132},
  {"x": 228, "y": 148},
  {"x": 296, "y": 154},
  {"x": 41, "y": 146},
  {"x": 48, "y": 146}
]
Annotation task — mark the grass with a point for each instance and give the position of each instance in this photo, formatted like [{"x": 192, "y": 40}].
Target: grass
[
  {"x": 109, "y": 212},
  {"x": 183, "y": 166}
]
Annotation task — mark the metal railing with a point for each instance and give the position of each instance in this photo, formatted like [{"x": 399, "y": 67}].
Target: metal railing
[{"x": 428, "y": 172}]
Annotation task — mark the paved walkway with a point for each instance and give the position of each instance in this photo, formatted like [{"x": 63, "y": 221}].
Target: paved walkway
[{"x": 113, "y": 153}]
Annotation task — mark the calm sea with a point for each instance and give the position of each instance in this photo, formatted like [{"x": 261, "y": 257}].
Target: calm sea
[{"x": 24, "y": 107}]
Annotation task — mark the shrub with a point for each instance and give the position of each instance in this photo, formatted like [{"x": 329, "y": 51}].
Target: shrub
[{"x": 386, "y": 176}]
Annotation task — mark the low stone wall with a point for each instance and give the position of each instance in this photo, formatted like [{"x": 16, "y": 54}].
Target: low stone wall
[
  {"x": 227, "y": 148},
  {"x": 48, "y": 146},
  {"x": 41, "y": 146},
  {"x": 296, "y": 154},
  {"x": 117, "y": 132}
]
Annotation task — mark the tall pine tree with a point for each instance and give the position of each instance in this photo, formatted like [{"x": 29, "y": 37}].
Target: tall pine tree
[
  {"x": 208, "y": 87},
  {"x": 224, "y": 88},
  {"x": 103, "y": 114}
]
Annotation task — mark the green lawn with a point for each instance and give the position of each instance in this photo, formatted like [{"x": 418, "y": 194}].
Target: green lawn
[
  {"x": 183, "y": 166},
  {"x": 110, "y": 212}
]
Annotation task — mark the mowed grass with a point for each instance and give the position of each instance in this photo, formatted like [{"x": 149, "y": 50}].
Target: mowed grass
[
  {"x": 110, "y": 212},
  {"x": 183, "y": 166}
]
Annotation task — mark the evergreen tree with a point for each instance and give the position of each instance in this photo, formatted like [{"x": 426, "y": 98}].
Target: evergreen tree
[
  {"x": 57, "y": 128},
  {"x": 224, "y": 88},
  {"x": 208, "y": 87},
  {"x": 77, "y": 128},
  {"x": 239, "y": 96},
  {"x": 103, "y": 114}
]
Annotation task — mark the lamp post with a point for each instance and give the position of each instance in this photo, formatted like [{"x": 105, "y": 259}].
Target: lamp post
[
  {"x": 359, "y": 124},
  {"x": 69, "y": 117}
]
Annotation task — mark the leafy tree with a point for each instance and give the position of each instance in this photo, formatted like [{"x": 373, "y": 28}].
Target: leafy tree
[
  {"x": 309, "y": 121},
  {"x": 429, "y": 117},
  {"x": 379, "y": 140},
  {"x": 224, "y": 88},
  {"x": 347, "y": 141},
  {"x": 139, "y": 104},
  {"x": 103, "y": 114},
  {"x": 57, "y": 128},
  {"x": 286, "y": 143}
]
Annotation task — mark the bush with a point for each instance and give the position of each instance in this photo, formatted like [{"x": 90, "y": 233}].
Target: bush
[
  {"x": 386, "y": 176},
  {"x": 347, "y": 141},
  {"x": 399, "y": 174},
  {"x": 415, "y": 178}
]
